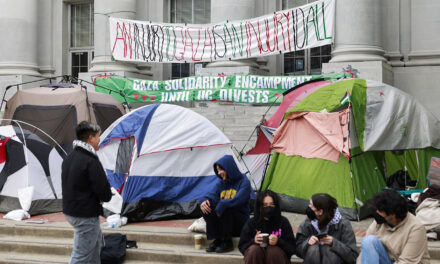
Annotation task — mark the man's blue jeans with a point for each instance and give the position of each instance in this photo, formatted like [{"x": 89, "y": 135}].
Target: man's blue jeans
[
  {"x": 87, "y": 239},
  {"x": 373, "y": 251}
]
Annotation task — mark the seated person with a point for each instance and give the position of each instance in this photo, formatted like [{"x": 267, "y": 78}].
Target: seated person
[
  {"x": 325, "y": 237},
  {"x": 267, "y": 219},
  {"x": 396, "y": 236},
  {"x": 226, "y": 208}
]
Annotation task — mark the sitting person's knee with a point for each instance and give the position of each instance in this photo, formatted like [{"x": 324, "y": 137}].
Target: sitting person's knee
[
  {"x": 274, "y": 250},
  {"x": 254, "y": 251},
  {"x": 313, "y": 255},
  {"x": 369, "y": 240},
  {"x": 313, "y": 250}
]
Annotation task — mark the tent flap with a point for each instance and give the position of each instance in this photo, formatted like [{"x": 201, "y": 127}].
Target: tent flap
[{"x": 314, "y": 135}]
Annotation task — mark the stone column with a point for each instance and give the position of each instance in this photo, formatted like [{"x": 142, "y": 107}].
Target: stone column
[
  {"x": 233, "y": 10},
  {"x": 45, "y": 38},
  {"x": 358, "y": 31},
  {"x": 425, "y": 37},
  {"x": 102, "y": 61},
  {"x": 358, "y": 44},
  {"x": 18, "y": 31}
]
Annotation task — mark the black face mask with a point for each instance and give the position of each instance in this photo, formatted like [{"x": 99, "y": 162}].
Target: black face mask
[
  {"x": 379, "y": 219},
  {"x": 267, "y": 211},
  {"x": 310, "y": 213}
]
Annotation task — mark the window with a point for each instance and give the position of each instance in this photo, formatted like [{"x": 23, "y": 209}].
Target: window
[
  {"x": 81, "y": 37},
  {"x": 190, "y": 12},
  {"x": 305, "y": 62}
]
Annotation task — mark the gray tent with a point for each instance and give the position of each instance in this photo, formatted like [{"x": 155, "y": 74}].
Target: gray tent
[{"x": 57, "y": 109}]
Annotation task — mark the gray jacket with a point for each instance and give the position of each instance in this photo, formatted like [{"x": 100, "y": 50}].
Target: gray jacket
[{"x": 343, "y": 249}]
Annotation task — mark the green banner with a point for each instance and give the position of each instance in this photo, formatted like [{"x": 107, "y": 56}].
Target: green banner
[{"x": 247, "y": 89}]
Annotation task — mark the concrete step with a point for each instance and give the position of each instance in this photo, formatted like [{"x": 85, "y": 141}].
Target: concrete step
[
  {"x": 37, "y": 249},
  {"x": 33, "y": 243},
  {"x": 52, "y": 243},
  {"x": 13, "y": 258}
]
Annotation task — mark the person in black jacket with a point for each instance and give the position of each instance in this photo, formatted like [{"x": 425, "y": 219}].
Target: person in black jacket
[
  {"x": 85, "y": 186},
  {"x": 267, "y": 219},
  {"x": 325, "y": 237}
]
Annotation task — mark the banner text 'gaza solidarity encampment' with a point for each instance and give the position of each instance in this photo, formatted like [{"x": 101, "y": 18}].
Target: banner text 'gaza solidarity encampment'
[
  {"x": 246, "y": 89},
  {"x": 289, "y": 30}
]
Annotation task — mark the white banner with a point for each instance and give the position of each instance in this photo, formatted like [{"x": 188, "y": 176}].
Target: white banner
[{"x": 289, "y": 30}]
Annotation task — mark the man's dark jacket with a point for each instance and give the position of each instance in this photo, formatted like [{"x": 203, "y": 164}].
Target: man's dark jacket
[{"x": 84, "y": 184}]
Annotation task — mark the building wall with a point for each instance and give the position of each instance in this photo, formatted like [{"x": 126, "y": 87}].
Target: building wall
[{"x": 36, "y": 42}]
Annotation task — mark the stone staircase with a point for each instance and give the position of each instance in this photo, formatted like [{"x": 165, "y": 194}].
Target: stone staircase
[
  {"x": 22, "y": 243},
  {"x": 41, "y": 243},
  {"x": 236, "y": 121}
]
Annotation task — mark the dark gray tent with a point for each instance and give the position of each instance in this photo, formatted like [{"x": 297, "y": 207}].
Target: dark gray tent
[{"x": 57, "y": 109}]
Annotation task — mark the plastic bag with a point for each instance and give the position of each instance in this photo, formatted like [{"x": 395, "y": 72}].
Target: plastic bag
[
  {"x": 114, "y": 221},
  {"x": 198, "y": 226},
  {"x": 25, "y": 197},
  {"x": 17, "y": 215},
  {"x": 115, "y": 204}
]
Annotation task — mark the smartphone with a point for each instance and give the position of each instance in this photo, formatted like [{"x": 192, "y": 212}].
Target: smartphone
[{"x": 321, "y": 236}]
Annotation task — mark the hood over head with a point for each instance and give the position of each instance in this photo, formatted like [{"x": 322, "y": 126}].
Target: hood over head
[{"x": 227, "y": 162}]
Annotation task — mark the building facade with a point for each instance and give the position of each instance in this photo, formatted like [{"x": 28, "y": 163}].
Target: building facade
[{"x": 393, "y": 41}]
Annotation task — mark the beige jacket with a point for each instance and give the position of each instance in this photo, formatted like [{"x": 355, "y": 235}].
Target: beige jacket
[{"x": 405, "y": 243}]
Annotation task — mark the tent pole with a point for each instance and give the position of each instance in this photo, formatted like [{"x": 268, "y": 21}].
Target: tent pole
[
  {"x": 358, "y": 210},
  {"x": 18, "y": 84},
  {"x": 42, "y": 131},
  {"x": 25, "y": 153},
  {"x": 110, "y": 92},
  {"x": 265, "y": 170},
  {"x": 247, "y": 168}
]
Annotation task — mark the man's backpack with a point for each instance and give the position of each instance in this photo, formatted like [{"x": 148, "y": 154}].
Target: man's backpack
[{"x": 113, "y": 250}]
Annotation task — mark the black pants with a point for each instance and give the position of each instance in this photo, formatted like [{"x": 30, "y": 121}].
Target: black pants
[{"x": 225, "y": 226}]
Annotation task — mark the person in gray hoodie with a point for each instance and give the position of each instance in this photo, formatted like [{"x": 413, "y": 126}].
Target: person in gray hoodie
[{"x": 325, "y": 237}]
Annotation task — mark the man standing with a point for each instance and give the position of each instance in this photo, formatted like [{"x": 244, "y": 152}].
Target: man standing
[
  {"x": 226, "y": 208},
  {"x": 85, "y": 186},
  {"x": 396, "y": 236}
]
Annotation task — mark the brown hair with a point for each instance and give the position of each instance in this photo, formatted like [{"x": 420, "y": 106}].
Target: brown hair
[{"x": 328, "y": 204}]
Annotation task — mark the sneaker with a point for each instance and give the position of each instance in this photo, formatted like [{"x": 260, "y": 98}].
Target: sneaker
[
  {"x": 225, "y": 246},
  {"x": 213, "y": 246}
]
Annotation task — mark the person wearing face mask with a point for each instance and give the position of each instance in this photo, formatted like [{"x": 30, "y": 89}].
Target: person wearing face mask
[
  {"x": 325, "y": 237},
  {"x": 395, "y": 236},
  {"x": 267, "y": 219}
]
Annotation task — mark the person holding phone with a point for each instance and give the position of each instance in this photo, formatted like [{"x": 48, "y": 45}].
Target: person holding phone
[{"x": 325, "y": 237}]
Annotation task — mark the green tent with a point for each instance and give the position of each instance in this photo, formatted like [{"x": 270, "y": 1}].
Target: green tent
[{"x": 388, "y": 131}]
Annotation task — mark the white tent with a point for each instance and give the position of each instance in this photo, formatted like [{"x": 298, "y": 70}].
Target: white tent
[
  {"x": 160, "y": 157},
  {"x": 29, "y": 168}
]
